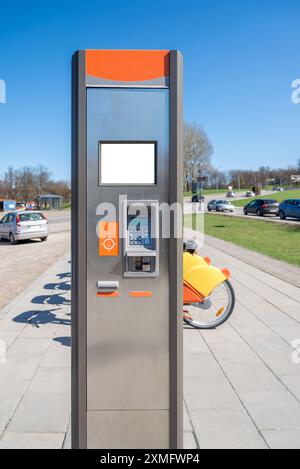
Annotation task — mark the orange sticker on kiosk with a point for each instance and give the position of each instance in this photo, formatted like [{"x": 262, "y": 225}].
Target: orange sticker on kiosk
[{"x": 108, "y": 238}]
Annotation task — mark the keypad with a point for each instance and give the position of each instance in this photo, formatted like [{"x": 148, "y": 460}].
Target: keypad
[{"x": 139, "y": 237}]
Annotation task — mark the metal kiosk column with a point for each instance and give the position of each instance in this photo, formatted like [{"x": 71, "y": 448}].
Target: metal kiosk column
[{"x": 126, "y": 274}]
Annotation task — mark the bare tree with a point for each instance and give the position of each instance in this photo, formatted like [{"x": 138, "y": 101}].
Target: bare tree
[
  {"x": 9, "y": 183},
  {"x": 42, "y": 177},
  {"x": 26, "y": 183},
  {"x": 197, "y": 153}
]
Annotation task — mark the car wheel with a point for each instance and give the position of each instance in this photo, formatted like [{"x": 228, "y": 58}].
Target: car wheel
[
  {"x": 259, "y": 213},
  {"x": 245, "y": 212},
  {"x": 209, "y": 209},
  {"x": 12, "y": 239},
  {"x": 44, "y": 239},
  {"x": 281, "y": 215}
]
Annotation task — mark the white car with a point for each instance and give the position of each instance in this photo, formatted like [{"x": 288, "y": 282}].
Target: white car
[
  {"x": 249, "y": 194},
  {"x": 220, "y": 206},
  {"x": 16, "y": 226}
]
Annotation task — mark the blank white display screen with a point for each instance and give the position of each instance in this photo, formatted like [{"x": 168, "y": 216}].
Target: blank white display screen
[{"x": 127, "y": 163}]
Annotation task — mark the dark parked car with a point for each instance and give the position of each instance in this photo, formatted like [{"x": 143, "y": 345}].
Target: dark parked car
[
  {"x": 262, "y": 207},
  {"x": 289, "y": 208}
]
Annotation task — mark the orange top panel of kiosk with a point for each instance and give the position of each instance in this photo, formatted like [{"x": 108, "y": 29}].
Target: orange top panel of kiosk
[{"x": 127, "y": 67}]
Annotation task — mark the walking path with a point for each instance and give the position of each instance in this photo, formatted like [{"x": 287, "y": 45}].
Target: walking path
[
  {"x": 241, "y": 387},
  {"x": 35, "y": 390}
]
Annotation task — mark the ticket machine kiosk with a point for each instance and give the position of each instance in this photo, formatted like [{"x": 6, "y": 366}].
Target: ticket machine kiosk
[{"x": 126, "y": 274}]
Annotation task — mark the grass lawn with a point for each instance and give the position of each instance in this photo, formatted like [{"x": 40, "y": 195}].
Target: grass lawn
[
  {"x": 279, "y": 196},
  {"x": 277, "y": 240}
]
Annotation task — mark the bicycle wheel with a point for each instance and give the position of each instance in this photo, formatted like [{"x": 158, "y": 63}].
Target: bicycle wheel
[{"x": 214, "y": 311}]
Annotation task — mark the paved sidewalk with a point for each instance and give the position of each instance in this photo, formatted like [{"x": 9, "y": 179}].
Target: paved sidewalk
[
  {"x": 241, "y": 387},
  {"x": 35, "y": 391}
]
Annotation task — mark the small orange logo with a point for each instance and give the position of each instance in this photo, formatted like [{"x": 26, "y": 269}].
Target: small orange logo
[{"x": 109, "y": 238}]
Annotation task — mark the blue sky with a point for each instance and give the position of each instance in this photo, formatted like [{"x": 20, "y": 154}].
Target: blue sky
[{"x": 240, "y": 58}]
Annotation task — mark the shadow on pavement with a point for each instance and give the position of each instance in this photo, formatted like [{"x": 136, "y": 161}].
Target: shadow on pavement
[
  {"x": 66, "y": 341},
  {"x": 37, "y": 318},
  {"x": 58, "y": 286},
  {"x": 64, "y": 275},
  {"x": 55, "y": 299}
]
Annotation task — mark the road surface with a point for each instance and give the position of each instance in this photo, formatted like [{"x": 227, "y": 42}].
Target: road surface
[{"x": 22, "y": 263}]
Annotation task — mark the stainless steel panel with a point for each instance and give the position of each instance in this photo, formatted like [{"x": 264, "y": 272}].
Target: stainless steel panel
[
  {"x": 128, "y": 430},
  {"x": 128, "y": 363}
]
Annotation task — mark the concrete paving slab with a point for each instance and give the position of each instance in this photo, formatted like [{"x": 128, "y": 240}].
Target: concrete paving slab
[
  {"x": 58, "y": 354},
  {"x": 50, "y": 380},
  {"x": 276, "y": 354},
  {"x": 251, "y": 376},
  {"x": 272, "y": 409},
  {"x": 21, "y": 440},
  {"x": 193, "y": 341},
  {"x": 7, "y": 325},
  {"x": 187, "y": 426},
  {"x": 13, "y": 386},
  {"x": 259, "y": 319},
  {"x": 221, "y": 335},
  {"x": 288, "y": 333},
  {"x": 46, "y": 331},
  {"x": 8, "y": 404},
  {"x": 226, "y": 429},
  {"x": 29, "y": 346},
  {"x": 201, "y": 365},
  {"x": 42, "y": 413},
  {"x": 293, "y": 384},
  {"x": 233, "y": 352},
  {"x": 67, "y": 444},
  {"x": 19, "y": 367},
  {"x": 213, "y": 393},
  {"x": 282, "y": 439},
  {"x": 189, "y": 441},
  {"x": 7, "y": 338}
]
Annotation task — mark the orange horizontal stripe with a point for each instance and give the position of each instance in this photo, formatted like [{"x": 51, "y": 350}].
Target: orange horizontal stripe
[
  {"x": 108, "y": 294},
  {"x": 128, "y": 65},
  {"x": 137, "y": 294}
]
